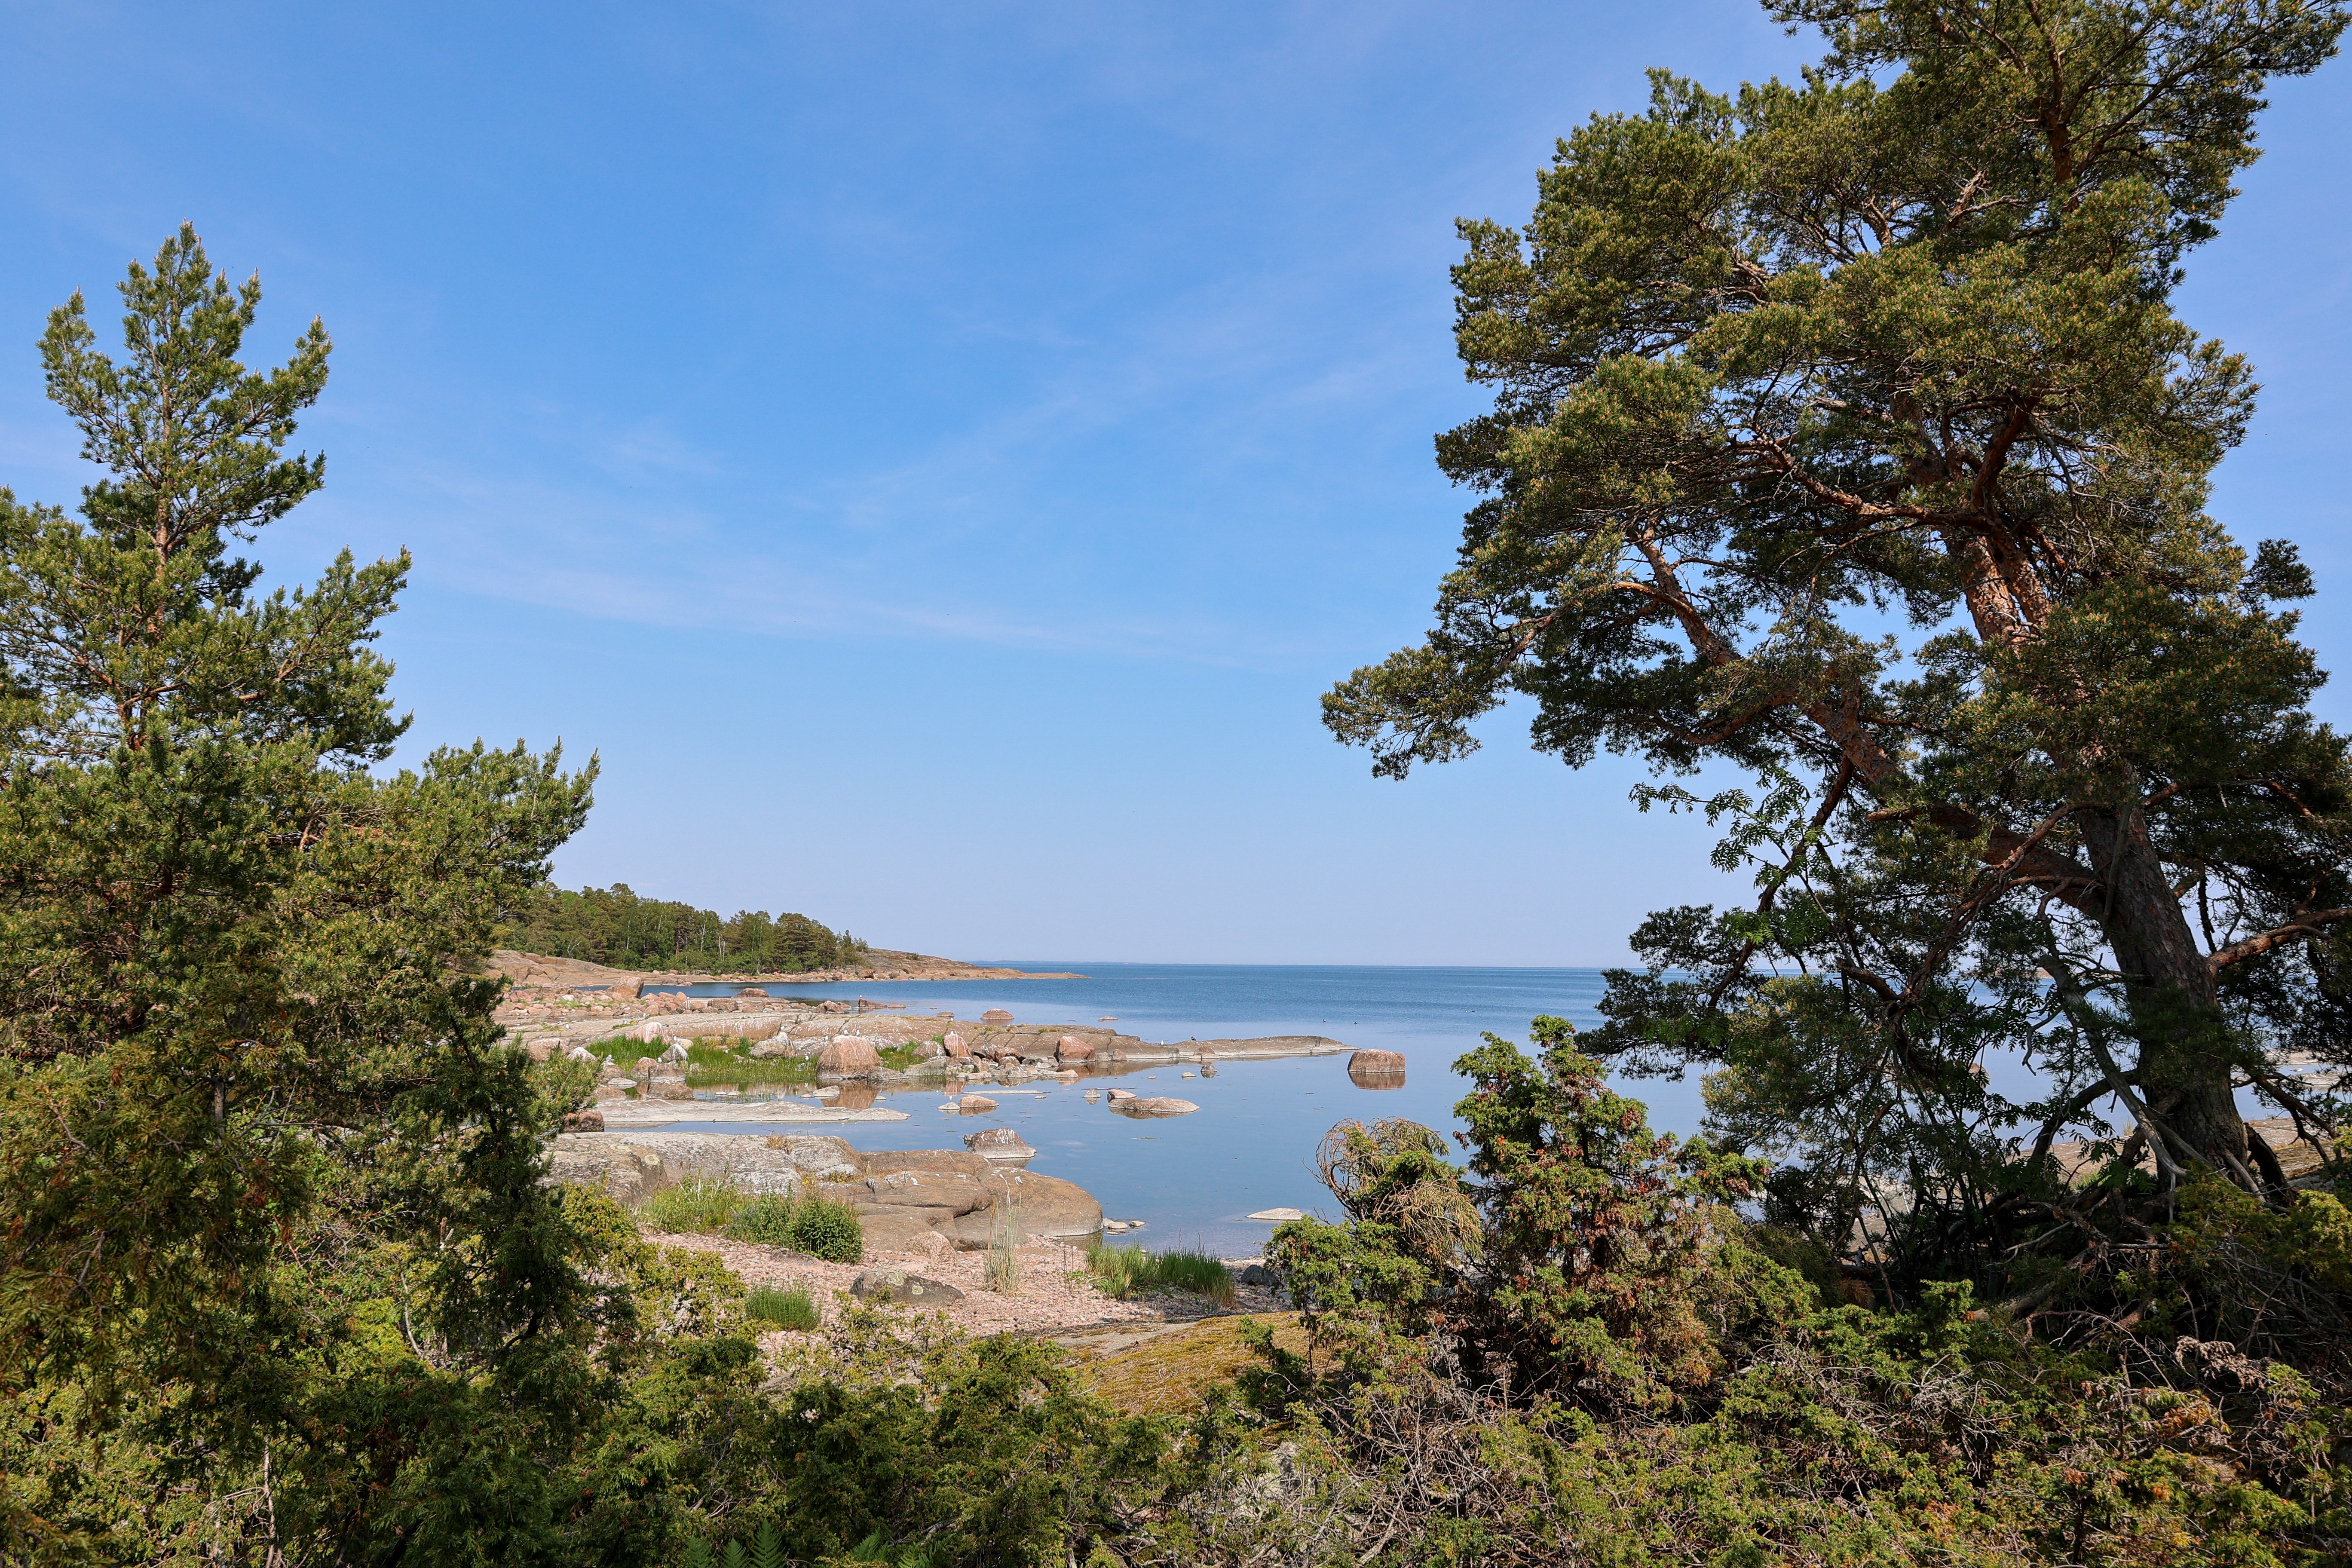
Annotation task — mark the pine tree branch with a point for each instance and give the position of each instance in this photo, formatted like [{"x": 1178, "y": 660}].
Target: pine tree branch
[{"x": 2255, "y": 946}]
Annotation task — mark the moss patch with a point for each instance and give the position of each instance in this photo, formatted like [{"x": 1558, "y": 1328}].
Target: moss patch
[{"x": 1167, "y": 1373}]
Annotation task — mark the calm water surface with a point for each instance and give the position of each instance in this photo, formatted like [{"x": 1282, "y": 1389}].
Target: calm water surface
[{"x": 1194, "y": 1179}]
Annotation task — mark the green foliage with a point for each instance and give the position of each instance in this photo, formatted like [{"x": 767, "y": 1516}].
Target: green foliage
[
  {"x": 719, "y": 1061},
  {"x": 1690, "y": 1400},
  {"x": 614, "y": 925},
  {"x": 1121, "y": 1271},
  {"x": 959, "y": 1451},
  {"x": 1118, "y": 1271},
  {"x": 1588, "y": 1252},
  {"x": 789, "y": 1308}
]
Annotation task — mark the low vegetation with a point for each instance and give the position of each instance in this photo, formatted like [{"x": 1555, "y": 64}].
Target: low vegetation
[
  {"x": 696, "y": 1205},
  {"x": 1120, "y": 1271},
  {"x": 789, "y": 1308},
  {"x": 721, "y": 1061},
  {"x": 704, "y": 1204}
]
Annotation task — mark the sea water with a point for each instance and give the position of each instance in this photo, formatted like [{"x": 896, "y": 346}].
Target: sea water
[{"x": 1193, "y": 1180}]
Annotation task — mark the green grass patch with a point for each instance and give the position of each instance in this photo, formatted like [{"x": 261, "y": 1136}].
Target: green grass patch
[
  {"x": 902, "y": 1059},
  {"x": 789, "y": 1308},
  {"x": 720, "y": 1062},
  {"x": 1121, "y": 1271},
  {"x": 696, "y": 1206},
  {"x": 766, "y": 1219}
]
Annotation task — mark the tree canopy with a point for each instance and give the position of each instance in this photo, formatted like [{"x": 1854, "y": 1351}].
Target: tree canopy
[
  {"x": 614, "y": 925},
  {"x": 249, "y": 1087},
  {"x": 1844, "y": 433}
]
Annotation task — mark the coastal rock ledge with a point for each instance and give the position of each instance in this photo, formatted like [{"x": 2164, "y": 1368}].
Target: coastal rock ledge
[{"x": 924, "y": 1200}]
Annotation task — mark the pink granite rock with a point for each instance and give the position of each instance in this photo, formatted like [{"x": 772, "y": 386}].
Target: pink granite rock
[{"x": 848, "y": 1056}]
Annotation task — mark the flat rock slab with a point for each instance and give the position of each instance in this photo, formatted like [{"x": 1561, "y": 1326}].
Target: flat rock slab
[
  {"x": 1154, "y": 1105},
  {"x": 1280, "y": 1216},
  {"x": 661, "y": 1113},
  {"x": 633, "y": 1167}
]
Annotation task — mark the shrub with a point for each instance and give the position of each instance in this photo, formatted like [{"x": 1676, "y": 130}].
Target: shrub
[
  {"x": 826, "y": 1228},
  {"x": 767, "y": 1219},
  {"x": 697, "y": 1205},
  {"x": 791, "y": 1308},
  {"x": 898, "y": 1440}
]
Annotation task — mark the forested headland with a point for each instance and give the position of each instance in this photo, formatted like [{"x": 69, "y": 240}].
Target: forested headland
[
  {"x": 1844, "y": 435},
  {"x": 614, "y": 926}
]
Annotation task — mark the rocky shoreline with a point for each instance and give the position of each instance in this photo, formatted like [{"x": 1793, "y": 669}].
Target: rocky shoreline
[{"x": 914, "y": 1203}]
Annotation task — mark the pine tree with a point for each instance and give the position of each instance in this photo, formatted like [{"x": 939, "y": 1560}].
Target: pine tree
[
  {"x": 1845, "y": 434},
  {"x": 247, "y": 1071}
]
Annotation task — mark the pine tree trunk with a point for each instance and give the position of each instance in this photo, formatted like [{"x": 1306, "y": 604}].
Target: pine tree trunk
[{"x": 2184, "y": 1066}]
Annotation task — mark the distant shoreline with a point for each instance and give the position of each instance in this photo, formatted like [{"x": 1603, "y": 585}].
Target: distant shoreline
[{"x": 539, "y": 970}]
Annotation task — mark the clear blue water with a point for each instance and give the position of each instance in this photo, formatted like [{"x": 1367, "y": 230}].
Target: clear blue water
[{"x": 1194, "y": 1179}]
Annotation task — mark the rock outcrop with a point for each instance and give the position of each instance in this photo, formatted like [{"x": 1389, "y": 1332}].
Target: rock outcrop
[
  {"x": 901, "y": 1199},
  {"x": 998, "y": 1143},
  {"x": 848, "y": 1056}
]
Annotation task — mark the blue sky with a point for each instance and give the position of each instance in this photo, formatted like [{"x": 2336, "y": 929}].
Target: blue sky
[{"x": 936, "y": 456}]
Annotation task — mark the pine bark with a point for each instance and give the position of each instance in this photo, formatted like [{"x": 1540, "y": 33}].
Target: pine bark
[{"x": 2168, "y": 989}]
